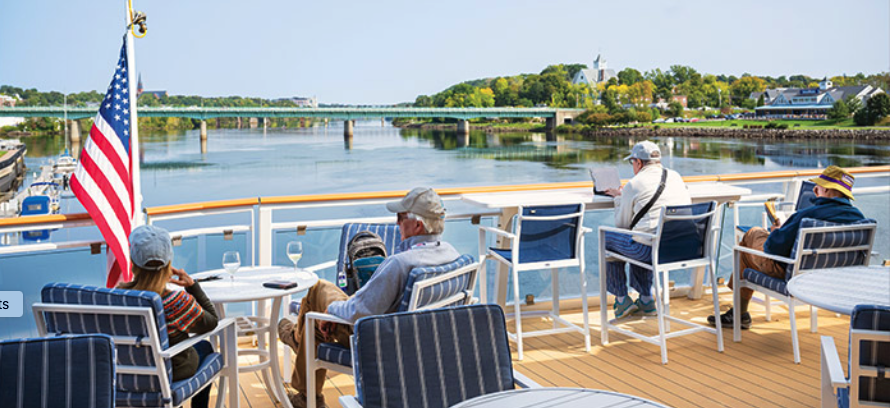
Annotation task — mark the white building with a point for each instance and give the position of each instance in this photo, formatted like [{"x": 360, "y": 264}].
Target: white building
[
  {"x": 810, "y": 101},
  {"x": 596, "y": 74}
]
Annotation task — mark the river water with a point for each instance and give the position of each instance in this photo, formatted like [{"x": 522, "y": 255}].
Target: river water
[{"x": 241, "y": 163}]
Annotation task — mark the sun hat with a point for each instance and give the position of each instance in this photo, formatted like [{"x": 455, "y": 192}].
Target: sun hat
[
  {"x": 645, "y": 150},
  {"x": 836, "y": 178},
  {"x": 422, "y": 201},
  {"x": 150, "y": 247}
]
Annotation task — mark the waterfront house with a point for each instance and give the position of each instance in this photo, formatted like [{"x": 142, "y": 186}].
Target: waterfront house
[{"x": 809, "y": 102}]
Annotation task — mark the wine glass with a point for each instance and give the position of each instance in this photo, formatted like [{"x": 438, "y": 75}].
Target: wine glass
[
  {"x": 295, "y": 252},
  {"x": 231, "y": 262}
]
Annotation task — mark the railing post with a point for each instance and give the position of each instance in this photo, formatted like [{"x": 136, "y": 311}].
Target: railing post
[{"x": 264, "y": 236}]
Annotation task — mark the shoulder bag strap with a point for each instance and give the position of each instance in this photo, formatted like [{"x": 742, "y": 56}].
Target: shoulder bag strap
[{"x": 649, "y": 205}]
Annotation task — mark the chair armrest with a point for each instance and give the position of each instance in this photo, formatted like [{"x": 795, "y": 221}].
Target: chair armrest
[
  {"x": 497, "y": 231},
  {"x": 831, "y": 365},
  {"x": 349, "y": 401},
  {"x": 327, "y": 318},
  {"x": 762, "y": 254},
  {"x": 523, "y": 381},
  {"x": 627, "y": 232},
  {"x": 586, "y": 230},
  {"x": 323, "y": 265},
  {"x": 191, "y": 341}
]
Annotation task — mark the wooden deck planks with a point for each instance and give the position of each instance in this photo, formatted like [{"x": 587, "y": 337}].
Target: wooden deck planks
[{"x": 758, "y": 372}]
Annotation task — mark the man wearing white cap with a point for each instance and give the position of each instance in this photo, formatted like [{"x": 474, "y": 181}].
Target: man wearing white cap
[
  {"x": 421, "y": 219},
  {"x": 637, "y": 205}
]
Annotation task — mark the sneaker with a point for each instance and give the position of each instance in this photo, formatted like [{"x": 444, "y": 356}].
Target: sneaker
[
  {"x": 625, "y": 308},
  {"x": 727, "y": 319},
  {"x": 298, "y": 400},
  {"x": 646, "y": 308},
  {"x": 286, "y": 331}
]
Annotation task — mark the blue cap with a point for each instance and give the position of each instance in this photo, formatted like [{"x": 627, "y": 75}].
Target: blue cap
[{"x": 150, "y": 247}]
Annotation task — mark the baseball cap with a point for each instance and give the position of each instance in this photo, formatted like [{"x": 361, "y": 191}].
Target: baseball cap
[
  {"x": 150, "y": 247},
  {"x": 645, "y": 150},
  {"x": 836, "y": 178},
  {"x": 422, "y": 201}
]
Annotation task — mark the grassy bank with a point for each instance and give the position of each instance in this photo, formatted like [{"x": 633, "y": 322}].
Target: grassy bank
[{"x": 793, "y": 124}]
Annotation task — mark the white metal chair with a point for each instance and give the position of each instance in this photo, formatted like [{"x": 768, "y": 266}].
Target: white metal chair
[
  {"x": 686, "y": 238},
  {"x": 429, "y": 287},
  {"x": 819, "y": 245},
  {"x": 135, "y": 321},
  {"x": 544, "y": 237},
  {"x": 867, "y": 384}
]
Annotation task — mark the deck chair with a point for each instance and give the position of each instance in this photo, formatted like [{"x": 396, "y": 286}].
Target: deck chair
[
  {"x": 544, "y": 237},
  {"x": 135, "y": 320},
  {"x": 867, "y": 384},
  {"x": 819, "y": 245},
  {"x": 685, "y": 238},
  {"x": 432, "y": 358},
  {"x": 429, "y": 287},
  {"x": 75, "y": 371}
]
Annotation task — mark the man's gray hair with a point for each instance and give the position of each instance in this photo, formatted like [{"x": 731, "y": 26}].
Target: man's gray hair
[{"x": 433, "y": 226}]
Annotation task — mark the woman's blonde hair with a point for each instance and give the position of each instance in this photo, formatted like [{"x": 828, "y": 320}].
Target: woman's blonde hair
[{"x": 150, "y": 280}]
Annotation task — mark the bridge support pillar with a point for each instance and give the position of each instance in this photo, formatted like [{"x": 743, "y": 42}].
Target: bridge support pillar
[
  {"x": 326, "y": 122},
  {"x": 203, "y": 128},
  {"x": 463, "y": 127},
  {"x": 73, "y": 132},
  {"x": 254, "y": 122},
  {"x": 348, "y": 128},
  {"x": 383, "y": 122},
  {"x": 551, "y": 124}
]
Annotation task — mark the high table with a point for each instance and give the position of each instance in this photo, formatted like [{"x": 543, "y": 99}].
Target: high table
[
  {"x": 509, "y": 203},
  {"x": 840, "y": 289},
  {"x": 557, "y": 397},
  {"x": 248, "y": 287}
]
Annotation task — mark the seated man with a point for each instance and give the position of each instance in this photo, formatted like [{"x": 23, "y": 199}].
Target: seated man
[
  {"x": 638, "y": 205},
  {"x": 832, "y": 203},
  {"x": 421, "y": 219}
]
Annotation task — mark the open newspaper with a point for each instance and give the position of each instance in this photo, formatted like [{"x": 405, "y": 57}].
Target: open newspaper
[{"x": 605, "y": 178}]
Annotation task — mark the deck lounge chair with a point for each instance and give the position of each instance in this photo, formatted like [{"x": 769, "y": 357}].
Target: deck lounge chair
[
  {"x": 686, "y": 238},
  {"x": 867, "y": 384},
  {"x": 75, "y": 371},
  {"x": 432, "y": 358},
  {"x": 135, "y": 320}
]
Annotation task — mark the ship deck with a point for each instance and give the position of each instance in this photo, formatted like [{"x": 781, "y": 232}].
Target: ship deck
[{"x": 757, "y": 372}]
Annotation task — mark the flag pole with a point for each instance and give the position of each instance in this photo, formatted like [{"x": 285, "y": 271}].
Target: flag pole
[{"x": 138, "y": 218}]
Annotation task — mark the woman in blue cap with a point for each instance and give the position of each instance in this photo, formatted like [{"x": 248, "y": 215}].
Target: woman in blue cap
[{"x": 188, "y": 311}]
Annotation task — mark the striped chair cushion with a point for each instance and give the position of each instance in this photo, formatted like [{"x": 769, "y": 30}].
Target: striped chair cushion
[
  {"x": 872, "y": 353},
  {"x": 211, "y": 364},
  {"x": 439, "y": 291},
  {"x": 831, "y": 240},
  {"x": 335, "y": 353},
  {"x": 432, "y": 358},
  {"x": 760, "y": 279},
  {"x": 75, "y": 371},
  {"x": 63, "y": 293}
]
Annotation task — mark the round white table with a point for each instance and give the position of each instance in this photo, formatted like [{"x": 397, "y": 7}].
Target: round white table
[
  {"x": 557, "y": 397},
  {"x": 247, "y": 286},
  {"x": 840, "y": 289}
]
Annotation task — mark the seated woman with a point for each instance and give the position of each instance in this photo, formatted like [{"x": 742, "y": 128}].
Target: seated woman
[{"x": 189, "y": 311}]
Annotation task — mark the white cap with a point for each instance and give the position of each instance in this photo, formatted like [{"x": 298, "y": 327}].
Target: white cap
[
  {"x": 422, "y": 201},
  {"x": 645, "y": 150}
]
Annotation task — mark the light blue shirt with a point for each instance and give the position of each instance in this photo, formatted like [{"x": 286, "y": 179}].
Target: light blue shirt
[{"x": 383, "y": 292}]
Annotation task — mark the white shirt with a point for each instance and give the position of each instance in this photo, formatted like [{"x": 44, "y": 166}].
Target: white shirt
[{"x": 638, "y": 192}]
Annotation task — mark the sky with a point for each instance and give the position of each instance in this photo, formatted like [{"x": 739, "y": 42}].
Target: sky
[{"x": 390, "y": 51}]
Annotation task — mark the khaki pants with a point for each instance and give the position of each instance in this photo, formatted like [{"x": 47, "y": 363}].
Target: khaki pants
[
  {"x": 755, "y": 239},
  {"x": 317, "y": 300}
]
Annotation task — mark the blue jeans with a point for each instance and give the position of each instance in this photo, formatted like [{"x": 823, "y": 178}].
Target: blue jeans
[{"x": 641, "y": 279}]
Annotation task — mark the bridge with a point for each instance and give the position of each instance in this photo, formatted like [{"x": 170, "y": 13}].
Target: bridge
[{"x": 552, "y": 116}]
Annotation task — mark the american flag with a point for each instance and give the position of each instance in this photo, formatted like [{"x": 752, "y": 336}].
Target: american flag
[{"x": 103, "y": 180}]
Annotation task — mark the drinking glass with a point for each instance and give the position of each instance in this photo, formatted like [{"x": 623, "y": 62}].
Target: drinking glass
[
  {"x": 295, "y": 252},
  {"x": 231, "y": 262}
]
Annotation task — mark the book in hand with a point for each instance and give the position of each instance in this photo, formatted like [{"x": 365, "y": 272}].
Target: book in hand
[
  {"x": 280, "y": 284},
  {"x": 776, "y": 217},
  {"x": 605, "y": 178}
]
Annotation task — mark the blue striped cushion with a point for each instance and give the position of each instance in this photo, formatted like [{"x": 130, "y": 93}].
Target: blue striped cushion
[
  {"x": 831, "y": 240},
  {"x": 335, "y": 353},
  {"x": 34, "y": 370},
  {"x": 210, "y": 365},
  {"x": 389, "y": 233},
  {"x": 439, "y": 291},
  {"x": 872, "y": 353},
  {"x": 63, "y": 293},
  {"x": 760, "y": 279},
  {"x": 433, "y": 358}
]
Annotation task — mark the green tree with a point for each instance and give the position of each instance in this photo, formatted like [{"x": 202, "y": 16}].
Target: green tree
[
  {"x": 839, "y": 110},
  {"x": 745, "y": 86},
  {"x": 630, "y": 76},
  {"x": 878, "y": 107},
  {"x": 675, "y": 109},
  {"x": 853, "y": 103}
]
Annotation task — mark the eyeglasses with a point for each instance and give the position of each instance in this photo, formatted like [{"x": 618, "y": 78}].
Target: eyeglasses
[{"x": 401, "y": 217}]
